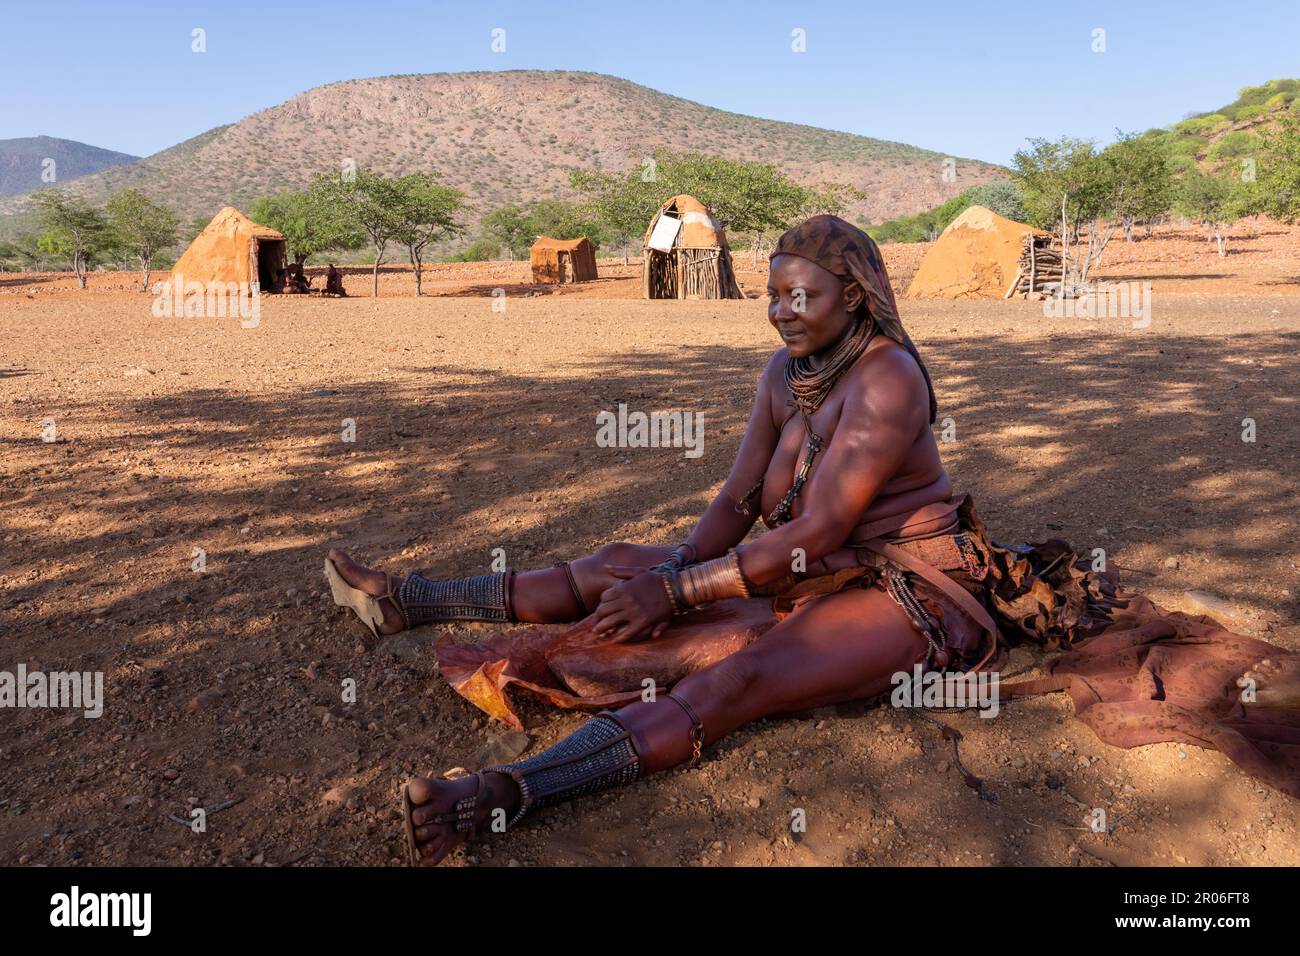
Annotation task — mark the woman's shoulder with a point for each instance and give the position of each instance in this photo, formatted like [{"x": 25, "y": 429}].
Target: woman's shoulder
[
  {"x": 888, "y": 377},
  {"x": 774, "y": 371},
  {"x": 888, "y": 359}
]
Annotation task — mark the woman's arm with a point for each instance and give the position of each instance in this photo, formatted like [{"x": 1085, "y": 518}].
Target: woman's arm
[
  {"x": 885, "y": 408},
  {"x": 722, "y": 527},
  {"x": 638, "y": 604}
]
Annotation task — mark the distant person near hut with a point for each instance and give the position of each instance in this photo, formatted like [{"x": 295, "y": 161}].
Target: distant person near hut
[
  {"x": 298, "y": 280},
  {"x": 334, "y": 282}
]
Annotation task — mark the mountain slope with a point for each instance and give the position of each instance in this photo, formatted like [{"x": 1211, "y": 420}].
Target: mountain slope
[
  {"x": 23, "y": 160},
  {"x": 509, "y": 137}
]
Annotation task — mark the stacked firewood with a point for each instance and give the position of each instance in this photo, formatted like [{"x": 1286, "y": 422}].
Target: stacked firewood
[{"x": 1040, "y": 265}]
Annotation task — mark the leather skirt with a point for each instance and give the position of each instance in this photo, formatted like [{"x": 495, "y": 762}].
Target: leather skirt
[{"x": 935, "y": 563}]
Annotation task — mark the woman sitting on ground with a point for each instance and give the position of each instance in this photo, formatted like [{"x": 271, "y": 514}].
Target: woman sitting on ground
[{"x": 840, "y": 461}]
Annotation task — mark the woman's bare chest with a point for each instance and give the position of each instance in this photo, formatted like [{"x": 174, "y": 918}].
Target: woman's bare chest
[{"x": 799, "y": 450}]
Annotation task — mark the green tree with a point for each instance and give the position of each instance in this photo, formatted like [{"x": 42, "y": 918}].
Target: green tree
[
  {"x": 1058, "y": 182},
  {"x": 1002, "y": 196},
  {"x": 425, "y": 212},
  {"x": 72, "y": 228},
  {"x": 26, "y": 250},
  {"x": 517, "y": 226},
  {"x": 1277, "y": 187},
  {"x": 1214, "y": 198},
  {"x": 141, "y": 227},
  {"x": 1134, "y": 180},
  {"x": 480, "y": 250},
  {"x": 368, "y": 203},
  {"x": 311, "y": 223},
  {"x": 511, "y": 227},
  {"x": 1061, "y": 182}
]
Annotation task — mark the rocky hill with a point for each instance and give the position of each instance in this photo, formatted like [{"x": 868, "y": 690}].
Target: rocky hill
[{"x": 509, "y": 137}]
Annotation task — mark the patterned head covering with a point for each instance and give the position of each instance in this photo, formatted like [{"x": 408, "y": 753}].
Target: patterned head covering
[{"x": 849, "y": 253}]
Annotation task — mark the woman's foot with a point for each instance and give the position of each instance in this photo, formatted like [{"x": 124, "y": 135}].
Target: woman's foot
[
  {"x": 437, "y": 798},
  {"x": 375, "y": 583},
  {"x": 1275, "y": 684}
]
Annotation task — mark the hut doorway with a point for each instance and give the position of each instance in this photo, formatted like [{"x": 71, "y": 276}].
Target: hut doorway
[{"x": 270, "y": 260}]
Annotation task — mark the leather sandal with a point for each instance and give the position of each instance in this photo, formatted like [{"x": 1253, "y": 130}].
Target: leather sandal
[
  {"x": 365, "y": 605},
  {"x": 412, "y": 848},
  {"x": 462, "y": 816}
]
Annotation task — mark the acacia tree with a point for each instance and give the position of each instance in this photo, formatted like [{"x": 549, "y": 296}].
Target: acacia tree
[
  {"x": 1127, "y": 181},
  {"x": 1136, "y": 180},
  {"x": 510, "y": 226},
  {"x": 368, "y": 203},
  {"x": 140, "y": 228},
  {"x": 26, "y": 250},
  {"x": 310, "y": 221},
  {"x": 425, "y": 212},
  {"x": 1277, "y": 187},
  {"x": 72, "y": 228},
  {"x": 1062, "y": 182},
  {"x": 1213, "y": 199}
]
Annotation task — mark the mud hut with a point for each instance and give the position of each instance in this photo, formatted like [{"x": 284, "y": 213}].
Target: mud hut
[
  {"x": 563, "y": 260},
  {"x": 976, "y": 257},
  {"x": 233, "y": 248},
  {"x": 686, "y": 254}
]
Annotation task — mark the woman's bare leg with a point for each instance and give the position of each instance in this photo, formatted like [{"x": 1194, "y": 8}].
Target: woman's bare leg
[
  {"x": 839, "y": 647},
  {"x": 544, "y": 596}
]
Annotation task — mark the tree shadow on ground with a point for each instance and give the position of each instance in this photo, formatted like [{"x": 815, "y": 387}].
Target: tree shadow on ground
[{"x": 1056, "y": 437}]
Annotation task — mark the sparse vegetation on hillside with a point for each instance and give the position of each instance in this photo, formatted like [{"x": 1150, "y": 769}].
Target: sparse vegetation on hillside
[
  {"x": 540, "y": 127},
  {"x": 34, "y": 162},
  {"x": 1229, "y": 131}
]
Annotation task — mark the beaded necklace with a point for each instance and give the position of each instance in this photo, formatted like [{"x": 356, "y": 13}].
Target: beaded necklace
[{"x": 808, "y": 389}]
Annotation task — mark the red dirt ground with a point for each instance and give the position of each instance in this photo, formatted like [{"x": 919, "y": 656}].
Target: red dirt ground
[{"x": 475, "y": 429}]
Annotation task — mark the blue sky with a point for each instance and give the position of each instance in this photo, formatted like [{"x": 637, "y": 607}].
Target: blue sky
[{"x": 969, "y": 79}]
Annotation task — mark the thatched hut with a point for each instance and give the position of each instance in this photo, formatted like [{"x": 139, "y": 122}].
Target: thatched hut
[
  {"x": 563, "y": 260},
  {"x": 686, "y": 254}
]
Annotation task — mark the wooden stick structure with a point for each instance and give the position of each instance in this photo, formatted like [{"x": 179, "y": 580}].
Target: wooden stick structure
[{"x": 1040, "y": 265}]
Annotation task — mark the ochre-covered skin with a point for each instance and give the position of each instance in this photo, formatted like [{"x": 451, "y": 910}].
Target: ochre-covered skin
[{"x": 877, "y": 503}]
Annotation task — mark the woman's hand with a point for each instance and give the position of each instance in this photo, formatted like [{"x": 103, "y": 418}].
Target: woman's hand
[{"x": 636, "y": 606}]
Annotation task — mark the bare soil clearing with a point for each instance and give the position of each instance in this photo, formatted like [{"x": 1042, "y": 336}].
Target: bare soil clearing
[{"x": 476, "y": 429}]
